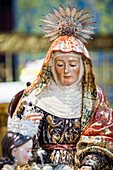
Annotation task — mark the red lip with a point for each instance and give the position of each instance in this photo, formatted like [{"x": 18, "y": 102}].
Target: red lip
[{"x": 67, "y": 77}]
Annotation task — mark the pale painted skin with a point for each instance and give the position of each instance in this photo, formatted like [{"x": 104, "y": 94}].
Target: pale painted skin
[
  {"x": 67, "y": 67},
  {"x": 23, "y": 153}
]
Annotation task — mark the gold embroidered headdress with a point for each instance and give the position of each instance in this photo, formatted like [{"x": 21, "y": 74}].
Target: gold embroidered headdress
[{"x": 66, "y": 22}]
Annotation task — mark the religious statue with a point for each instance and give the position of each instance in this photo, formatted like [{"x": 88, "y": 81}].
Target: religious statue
[{"x": 75, "y": 120}]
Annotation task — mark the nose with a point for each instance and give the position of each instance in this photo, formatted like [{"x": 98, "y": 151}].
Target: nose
[
  {"x": 66, "y": 69},
  {"x": 30, "y": 155}
]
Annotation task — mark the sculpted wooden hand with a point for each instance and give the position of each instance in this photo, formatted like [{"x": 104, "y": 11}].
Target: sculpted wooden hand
[{"x": 35, "y": 117}]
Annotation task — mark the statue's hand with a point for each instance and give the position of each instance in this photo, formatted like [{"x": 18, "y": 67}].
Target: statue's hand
[
  {"x": 35, "y": 117},
  {"x": 86, "y": 168}
]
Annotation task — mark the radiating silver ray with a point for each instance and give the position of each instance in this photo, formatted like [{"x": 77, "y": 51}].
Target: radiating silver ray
[
  {"x": 86, "y": 20},
  {"x": 73, "y": 12},
  {"x": 82, "y": 39},
  {"x": 53, "y": 16},
  {"x": 78, "y": 14},
  {"x": 87, "y": 32},
  {"x": 62, "y": 11},
  {"x": 53, "y": 37},
  {"x": 86, "y": 36},
  {"x": 50, "y": 34},
  {"x": 88, "y": 28},
  {"x": 88, "y": 24},
  {"x": 83, "y": 17},
  {"x": 48, "y": 22},
  {"x": 57, "y": 13},
  {"x": 49, "y": 18},
  {"x": 68, "y": 11},
  {"x": 48, "y": 30},
  {"x": 48, "y": 26}
]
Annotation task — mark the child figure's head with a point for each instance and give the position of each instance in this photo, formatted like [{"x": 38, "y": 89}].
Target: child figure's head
[{"x": 17, "y": 147}]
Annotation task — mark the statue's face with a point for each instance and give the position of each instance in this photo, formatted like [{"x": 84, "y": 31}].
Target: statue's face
[
  {"x": 67, "y": 67},
  {"x": 23, "y": 153}
]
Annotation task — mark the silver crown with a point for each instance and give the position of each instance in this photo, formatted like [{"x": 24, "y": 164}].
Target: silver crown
[
  {"x": 24, "y": 127},
  {"x": 68, "y": 22}
]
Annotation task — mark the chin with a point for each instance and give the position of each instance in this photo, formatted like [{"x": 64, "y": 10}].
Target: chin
[{"x": 67, "y": 83}]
